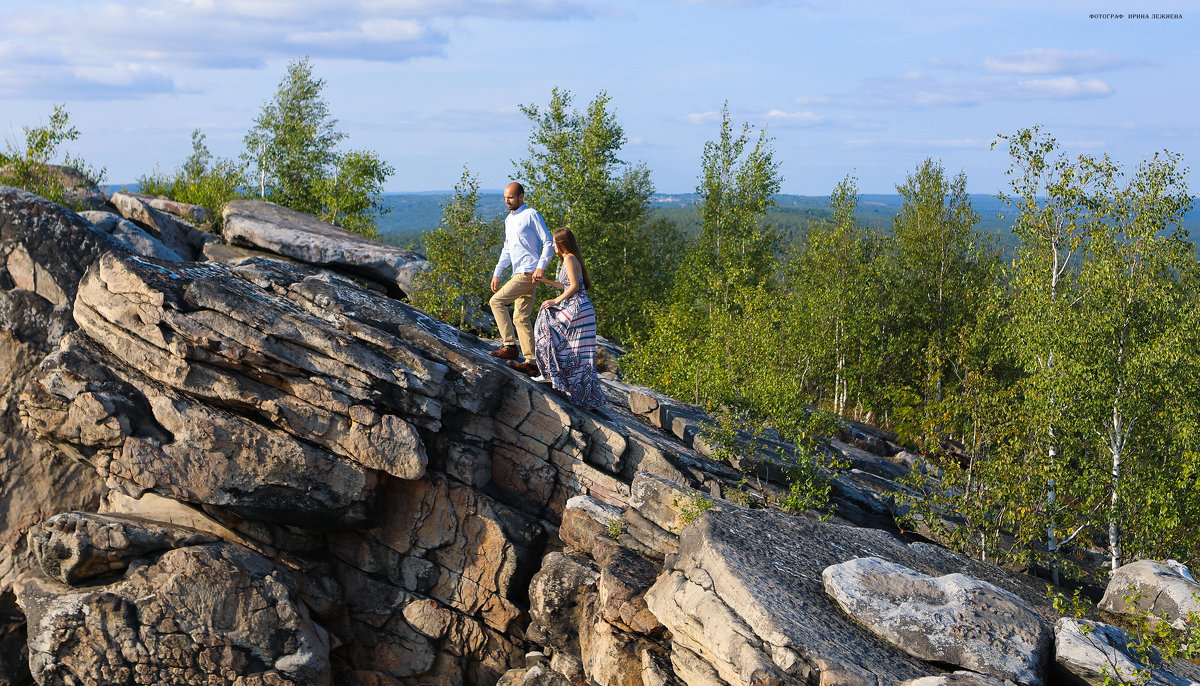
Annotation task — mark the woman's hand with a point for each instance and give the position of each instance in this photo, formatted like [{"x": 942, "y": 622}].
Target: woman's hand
[{"x": 548, "y": 303}]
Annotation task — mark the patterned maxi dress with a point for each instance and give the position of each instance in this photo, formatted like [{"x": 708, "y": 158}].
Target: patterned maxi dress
[{"x": 564, "y": 343}]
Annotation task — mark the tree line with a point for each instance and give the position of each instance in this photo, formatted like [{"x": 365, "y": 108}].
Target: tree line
[{"x": 1052, "y": 390}]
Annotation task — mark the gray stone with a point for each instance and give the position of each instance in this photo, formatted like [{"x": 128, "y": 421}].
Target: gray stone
[
  {"x": 131, "y": 236},
  {"x": 193, "y": 613},
  {"x": 44, "y": 250},
  {"x": 1092, "y": 650},
  {"x": 181, "y": 237},
  {"x": 1159, "y": 588},
  {"x": 744, "y": 596},
  {"x": 953, "y": 619},
  {"x": 963, "y": 678},
  {"x": 562, "y": 599},
  {"x": 276, "y": 229},
  {"x": 74, "y": 546}
]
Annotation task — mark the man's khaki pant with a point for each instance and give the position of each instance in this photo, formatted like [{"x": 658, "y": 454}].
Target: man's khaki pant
[{"x": 518, "y": 291}]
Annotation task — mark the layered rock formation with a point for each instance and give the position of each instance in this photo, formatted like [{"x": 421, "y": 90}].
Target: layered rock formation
[{"x": 256, "y": 470}]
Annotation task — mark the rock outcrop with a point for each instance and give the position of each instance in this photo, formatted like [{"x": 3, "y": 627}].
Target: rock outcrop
[
  {"x": 292, "y": 234},
  {"x": 44, "y": 252},
  {"x": 266, "y": 469}
]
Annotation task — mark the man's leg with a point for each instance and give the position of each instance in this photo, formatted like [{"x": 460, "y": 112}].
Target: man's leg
[
  {"x": 512, "y": 289},
  {"x": 522, "y": 317}
]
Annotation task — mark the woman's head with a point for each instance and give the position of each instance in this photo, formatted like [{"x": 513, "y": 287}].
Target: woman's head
[{"x": 565, "y": 244}]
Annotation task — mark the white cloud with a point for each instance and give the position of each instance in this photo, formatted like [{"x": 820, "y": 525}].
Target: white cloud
[
  {"x": 52, "y": 50},
  {"x": 806, "y": 118},
  {"x": 1065, "y": 88},
  {"x": 939, "y": 92},
  {"x": 1053, "y": 61},
  {"x": 702, "y": 117},
  {"x": 1041, "y": 61}
]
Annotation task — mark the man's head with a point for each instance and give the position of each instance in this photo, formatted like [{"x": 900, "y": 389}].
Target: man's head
[{"x": 514, "y": 195}]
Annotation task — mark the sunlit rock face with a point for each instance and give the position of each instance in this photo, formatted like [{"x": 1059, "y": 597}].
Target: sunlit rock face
[{"x": 249, "y": 461}]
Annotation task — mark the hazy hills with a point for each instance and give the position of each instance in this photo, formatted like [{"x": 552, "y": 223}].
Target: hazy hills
[{"x": 413, "y": 214}]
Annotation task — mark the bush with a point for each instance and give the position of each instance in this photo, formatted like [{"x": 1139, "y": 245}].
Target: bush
[{"x": 200, "y": 180}]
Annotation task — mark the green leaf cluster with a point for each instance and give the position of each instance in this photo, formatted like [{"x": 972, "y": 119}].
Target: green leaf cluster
[
  {"x": 201, "y": 180},
  {"x": 31, "y": 166},
  {"x": 462, "y": 250},
  {"x": 293, "y": 153}
]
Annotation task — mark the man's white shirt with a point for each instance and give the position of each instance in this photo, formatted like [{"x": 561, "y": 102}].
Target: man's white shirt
[{"x": 527, "y": 242}]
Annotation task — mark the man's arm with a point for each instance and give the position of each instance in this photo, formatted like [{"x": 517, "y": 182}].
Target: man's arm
[
  {"x": 547, "y": 245},
  {"x": 503, "y": 263}
]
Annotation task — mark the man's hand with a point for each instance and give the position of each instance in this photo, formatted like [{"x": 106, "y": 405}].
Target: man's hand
[
  {"x": 495, "y": 283},
  {"x": 537, "y": 275}
]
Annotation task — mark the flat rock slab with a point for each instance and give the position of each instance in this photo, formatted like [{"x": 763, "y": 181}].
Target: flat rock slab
[
  {"x": 744, "y": 598},
  {"x": 279, "y": 230},
  {"x": 953, "y": 619}
]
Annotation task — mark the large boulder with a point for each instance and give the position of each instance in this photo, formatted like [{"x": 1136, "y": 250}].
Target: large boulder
[
  {"x": 277, "y": 229},
  {"x": 953, "y": 619},
  {"x": 744, "y": 600},
  {"x": 130, "y": 236},
  {"x": 1154, "y": 587},
  {"x": 1093, "y": 650},
  {"x": 75, "y": 546}
]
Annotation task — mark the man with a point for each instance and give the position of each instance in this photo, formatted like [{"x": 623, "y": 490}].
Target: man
[{"x": 527, "y": 249}]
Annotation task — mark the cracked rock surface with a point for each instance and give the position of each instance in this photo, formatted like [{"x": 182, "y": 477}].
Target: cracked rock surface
[{"x": 267, "y": 469}]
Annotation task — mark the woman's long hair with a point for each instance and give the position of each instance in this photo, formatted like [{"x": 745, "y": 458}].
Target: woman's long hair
[{"x": 565, "y": 242}]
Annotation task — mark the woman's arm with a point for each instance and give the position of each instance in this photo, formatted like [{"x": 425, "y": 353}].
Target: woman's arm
[
  {"x": 575, "y": 273},
  {"x": 551, "y": 282}
]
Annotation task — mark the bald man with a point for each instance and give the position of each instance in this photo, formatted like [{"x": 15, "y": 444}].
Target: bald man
[{"x": 528, "y": 248}]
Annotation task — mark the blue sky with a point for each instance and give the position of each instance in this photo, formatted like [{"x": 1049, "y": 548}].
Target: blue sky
[{"x": 842, "y": 86}]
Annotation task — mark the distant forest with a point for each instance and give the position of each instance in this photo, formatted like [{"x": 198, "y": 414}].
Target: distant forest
[{"x": 413, "y": 214}]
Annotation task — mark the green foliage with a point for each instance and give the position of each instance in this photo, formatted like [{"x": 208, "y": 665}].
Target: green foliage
[
  {"x": 736, "y": 189},
  {"x": 32, "y": 167},
  {"x": 703, "y": 346},
  {"x": 614, "y": 529},
  {"x": 834, "y": 303},
  {"x": 1079, "y": 416},
  {"x": 293, "y": 150},
  {"x": 201, "y": 180},
  {"x": 943, "y": 271},
  {"x": 350, "y": 196},
  {"x": 691, "y": 507},
  {"x": 462, "y": 250},
  {"x": 808, "y": 489},
  {"x": 574, "y": 177}
]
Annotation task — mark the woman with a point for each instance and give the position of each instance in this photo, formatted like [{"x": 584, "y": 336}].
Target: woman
[{"x": 564, "y": 336}]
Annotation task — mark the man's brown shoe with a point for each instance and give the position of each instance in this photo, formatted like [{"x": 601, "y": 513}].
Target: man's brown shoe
[
  {"x": 506, "y": 352},
  {"x": 527, "y": 367}
]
